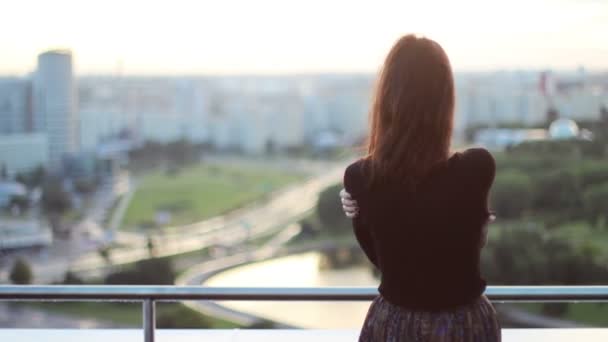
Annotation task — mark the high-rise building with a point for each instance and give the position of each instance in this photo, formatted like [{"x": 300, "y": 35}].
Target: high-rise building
[{"x": 54, "y": 104}]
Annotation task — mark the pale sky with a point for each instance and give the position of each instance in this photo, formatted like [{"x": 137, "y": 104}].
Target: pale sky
[{"x": 286, "y": 36}]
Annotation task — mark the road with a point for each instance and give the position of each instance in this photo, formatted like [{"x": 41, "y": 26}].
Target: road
[
  {"x": 254, "y": 221},
  {"x": 79, "y": 254},
  {"x": 50, "y": 263}
]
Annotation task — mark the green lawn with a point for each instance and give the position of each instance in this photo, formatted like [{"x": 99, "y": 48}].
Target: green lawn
[
  {"x": 200, "y": 192},
  {"x": 593, "y": 314},
  {"x": 169, "y": 315}
]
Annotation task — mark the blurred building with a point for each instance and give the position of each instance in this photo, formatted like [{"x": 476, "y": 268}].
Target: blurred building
[
  {"x": 9, "y": 190},
  {"x": 17, "y": 234},
  {"x": 502, "y": 138},
  {"x": 54, "y": 104},
  {"x": 15, "y": 105},
  {"x": 23, "y": 152},
  {"x": 525, "y": 98},
  {"x": 564, "y": 129}
]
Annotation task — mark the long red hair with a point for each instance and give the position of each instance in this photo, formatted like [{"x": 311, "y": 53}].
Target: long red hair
[{"x": 412, "y": 113}]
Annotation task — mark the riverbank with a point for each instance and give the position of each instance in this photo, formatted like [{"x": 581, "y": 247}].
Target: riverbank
[{"x": 273, "y": 249}]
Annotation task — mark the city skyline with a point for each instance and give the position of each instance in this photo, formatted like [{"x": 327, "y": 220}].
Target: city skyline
[{"x": 270, "y": 37}]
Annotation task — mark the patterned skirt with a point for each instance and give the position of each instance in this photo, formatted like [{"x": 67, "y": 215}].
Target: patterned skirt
[{"x": 386, "y": 322}]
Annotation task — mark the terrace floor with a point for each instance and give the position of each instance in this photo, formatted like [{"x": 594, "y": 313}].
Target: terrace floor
[{"x": 130, "y": 335}]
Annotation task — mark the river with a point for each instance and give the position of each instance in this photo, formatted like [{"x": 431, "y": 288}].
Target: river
[{"x": 300, "y": 270}]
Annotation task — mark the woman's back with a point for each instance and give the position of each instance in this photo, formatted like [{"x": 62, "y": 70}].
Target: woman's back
[{"x": 426, "y": 242}]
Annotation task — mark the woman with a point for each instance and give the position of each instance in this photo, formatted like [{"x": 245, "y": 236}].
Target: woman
[{"x": 420, "y": 212}]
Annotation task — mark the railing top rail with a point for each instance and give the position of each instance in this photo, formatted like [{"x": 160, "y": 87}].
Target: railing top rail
[{"x": 172, "y": 293}]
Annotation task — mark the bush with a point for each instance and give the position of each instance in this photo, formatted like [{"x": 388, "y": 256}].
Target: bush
[
  {"x": 531, "y": 164},
  {"x": 596, "y": 202},
  {"x": 562, "y": 148},
  {"x": 593, "y": 173},
  {"x": 557, "y": 191},
  {"x": 263, "y": 324},
  {"x": 85, "y": 186},
  {"x": 71, "y": 278},
  {"x": 54, "y": 198},
  {"x": 511, "y": 194},
  {"x": 155, "y": 271},
  {"x": 21, "y": 273},
  {"x": 531, "y": 256},
  {"x": 104, "y": 253},
  {"x": 342, "y": 258}
]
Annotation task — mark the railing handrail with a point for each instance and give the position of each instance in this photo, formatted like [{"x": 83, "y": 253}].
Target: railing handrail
[
  {"x": 149, "y": 295},
  {"x": 174, "y": 293}
]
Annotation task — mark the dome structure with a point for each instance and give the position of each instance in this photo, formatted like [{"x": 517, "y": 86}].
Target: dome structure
[{"x": 563, "y": 129}]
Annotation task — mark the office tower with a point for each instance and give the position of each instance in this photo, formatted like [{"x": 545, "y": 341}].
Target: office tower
[{"x": 54, "y": 104}]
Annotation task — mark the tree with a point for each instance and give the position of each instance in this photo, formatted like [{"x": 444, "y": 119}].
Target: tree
[
  {"x": 21, "y": 178},
  {"x": 593, "y": 173},
  {"x": 155, "y": 271},
  {"x": 37, "y": 177},
  {"x": 21, "y": 273},
  {"x": 595, "y": 200},
  {"x": 54, "y": 198},
  {"x": 85, "y": 186},
  {"x": 530, "y": 255},
  {"x": 147, "y": 155},
  {"x": 181, "y": 152},
  {"x": 270, "y": 147},
  {"x": 19, "y": 203},
  {"x": 104, "y": 253},
  {"x": 55, "y": 203},
  {"x": 71, "y": 278},
  {"x": 557, "y": 191},
  {"x": 151, "y": 246},
  {"x": 3, "y": 172},
  {"x": 511, "y": 194}
]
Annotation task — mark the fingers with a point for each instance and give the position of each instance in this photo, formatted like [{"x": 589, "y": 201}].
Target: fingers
[
  {"x": 345, "y": 195},
  {"x": 347, "y": 199},
  {"x": 492, "y": 218},
  {"x": 349, "y": 205},
  {"x": 350, "y": 211},
  {"x": 350, "y": 208}
]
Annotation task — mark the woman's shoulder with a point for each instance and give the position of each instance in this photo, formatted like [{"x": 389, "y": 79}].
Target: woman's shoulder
[
  {"x": 475, "y": 156},
  {"x": 476, "y": 162}
]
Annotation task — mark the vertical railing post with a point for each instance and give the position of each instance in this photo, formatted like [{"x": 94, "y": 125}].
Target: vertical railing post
[{"x": 149, "y": 319}]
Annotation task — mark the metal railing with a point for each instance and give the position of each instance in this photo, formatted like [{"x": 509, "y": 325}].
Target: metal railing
[{"x": 149, "y": 295}]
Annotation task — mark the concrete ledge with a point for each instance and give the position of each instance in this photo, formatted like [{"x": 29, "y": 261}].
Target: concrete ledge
[{"x": 280, "y": 335}]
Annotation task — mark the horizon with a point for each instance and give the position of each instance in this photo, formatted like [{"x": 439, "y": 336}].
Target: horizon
[{"x": 372, "y": 73}]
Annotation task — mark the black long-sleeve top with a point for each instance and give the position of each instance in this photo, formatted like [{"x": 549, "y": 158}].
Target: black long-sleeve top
[{"x": 426, "y": 242}]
